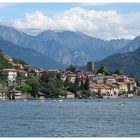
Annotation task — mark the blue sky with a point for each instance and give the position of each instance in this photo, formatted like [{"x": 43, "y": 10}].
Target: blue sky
[
  {"x": 19, "y": 10},
  {"x": 106, "y": 21}
]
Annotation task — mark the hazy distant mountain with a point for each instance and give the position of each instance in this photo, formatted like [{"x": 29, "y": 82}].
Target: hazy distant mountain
[
  {"x": 132, "y": 45},
  {"x": 28, "y": 55},
  {"x": 127, "y": 63},
  {"x": 65, "y": 47},
  {"x": 12, "y": 35},
  {"x": 74, "y": 47}
]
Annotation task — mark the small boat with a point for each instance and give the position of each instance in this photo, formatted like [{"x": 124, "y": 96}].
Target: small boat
[
  {"x": 60, "y": 100},
  {"x": 54, "y": 100},
  {"x": 24, "y": 100},
  {"x": 41, "y": 101},
  {"x": 123, "y": 103},
  {"x": 86, "y": 101}
]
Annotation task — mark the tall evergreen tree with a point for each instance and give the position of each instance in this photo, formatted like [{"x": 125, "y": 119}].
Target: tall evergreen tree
[
  {"x": 86, "y": 85},
  {"x": 82, "y": 84},
  {"x": 58, "y": 76},
  {"x": 117, "y": 72},
  {"x": 67, "y": 83},
  {"x": 76, "y": 80},
  {"x": 103, "y": 70}
]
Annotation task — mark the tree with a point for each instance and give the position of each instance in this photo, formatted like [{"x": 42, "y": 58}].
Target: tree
[
  {"x": 85, "y": 93},
  {"x": 44, "y": 77},
  {"x": 82, "y": 84},
  {"x": 62, "y": 92},
  {"x": 58, "y": 76},
  {"x": 34, "y": 84},
  {"x": 103, "y": 70},
  {"x": 72, "y": 68},
  {"x": 25, "y": 88},
  {"x": 76, "y": 80},
  {"x": 3, "y": 62},
  {"x": 86, "y": 85},
  {"x": 73, "y": 88},
  {"x": 20, "y": 77},
  {"x": 67, "y": 83},
  {"x": 19, "y": 61},
  {"x": 117, "y": 72},
  {"x": 52, "y": 85}
]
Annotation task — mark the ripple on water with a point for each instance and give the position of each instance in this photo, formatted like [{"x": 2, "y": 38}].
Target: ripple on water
[{"x": 70, "y": 118}]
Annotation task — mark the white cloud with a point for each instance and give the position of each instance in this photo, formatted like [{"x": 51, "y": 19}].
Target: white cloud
[{"x": 100, "y": 24}]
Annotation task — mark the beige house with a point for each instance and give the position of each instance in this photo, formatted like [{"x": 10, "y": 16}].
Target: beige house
[
  {"x": 72, "y": 77},
  {"x": 8, "y": 58},
  {"x": 2, "y": 94},
  {"x": 104, "y": 90},
  {"x": 121, "y": 86},
  {"x": 110, "y": 80}
]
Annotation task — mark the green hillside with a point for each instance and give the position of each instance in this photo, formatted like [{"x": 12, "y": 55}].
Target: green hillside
[
  {"x": 3, "y": 61},
  {"x": 127, "y": 63}
]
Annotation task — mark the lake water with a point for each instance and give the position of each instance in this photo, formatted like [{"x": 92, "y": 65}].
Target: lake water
[{"x": 71, "y": 118}]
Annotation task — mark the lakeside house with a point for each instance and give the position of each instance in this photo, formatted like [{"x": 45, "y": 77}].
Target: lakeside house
[
  {"x": 8, "y": 58},
  {"x": 112, "y": 86},
  {"x": 110, "y": 80},
  {"x": 121, "y": 86},
  {"x": 2, "y": 94},
  {"x": 14, "y": 94},
  {"x": 27, "y": 67},
  {"x": 39, "y": 71},
  {"x": 10, "y": 75},
  {"x": 53, "y": 71},
  {"x": 104, "y": 90},
  {"x": 99, "y": 78},
  {"x": 72, "y": 77},
  {"x": 70, "y": 95},
  {"x": 41, "y": 95}
]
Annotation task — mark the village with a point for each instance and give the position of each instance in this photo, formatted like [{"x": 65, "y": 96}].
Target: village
[{"x": 99, "y": 85}]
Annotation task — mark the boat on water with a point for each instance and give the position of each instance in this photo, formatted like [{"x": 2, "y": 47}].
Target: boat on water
[
  {"x": 41, "y": 101},
  {"x": 60, "y": 100},
  {"x": 123, "y": 103},
  {"x": 86, "y": 101}
]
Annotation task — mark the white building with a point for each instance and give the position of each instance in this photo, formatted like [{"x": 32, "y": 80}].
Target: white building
[
  {"x": 110, "y": 80},
  {"x": 10, "y": 75},
  {"x": 70, "y": 95},
  {"x": 99, "y": 79}
]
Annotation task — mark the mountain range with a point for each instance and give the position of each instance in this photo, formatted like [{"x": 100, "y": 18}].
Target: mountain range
[
  {"x": 65, "y": 47},
  {"x": 50, "y": 49},
  {"x": 127, "y": 63},
  {"x": 28, "y": 55}
]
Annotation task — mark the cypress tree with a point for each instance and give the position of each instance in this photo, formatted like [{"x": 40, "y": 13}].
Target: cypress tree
[
  {"x": 86, "y": 86},
  {"x": 82, "y": 84}
]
